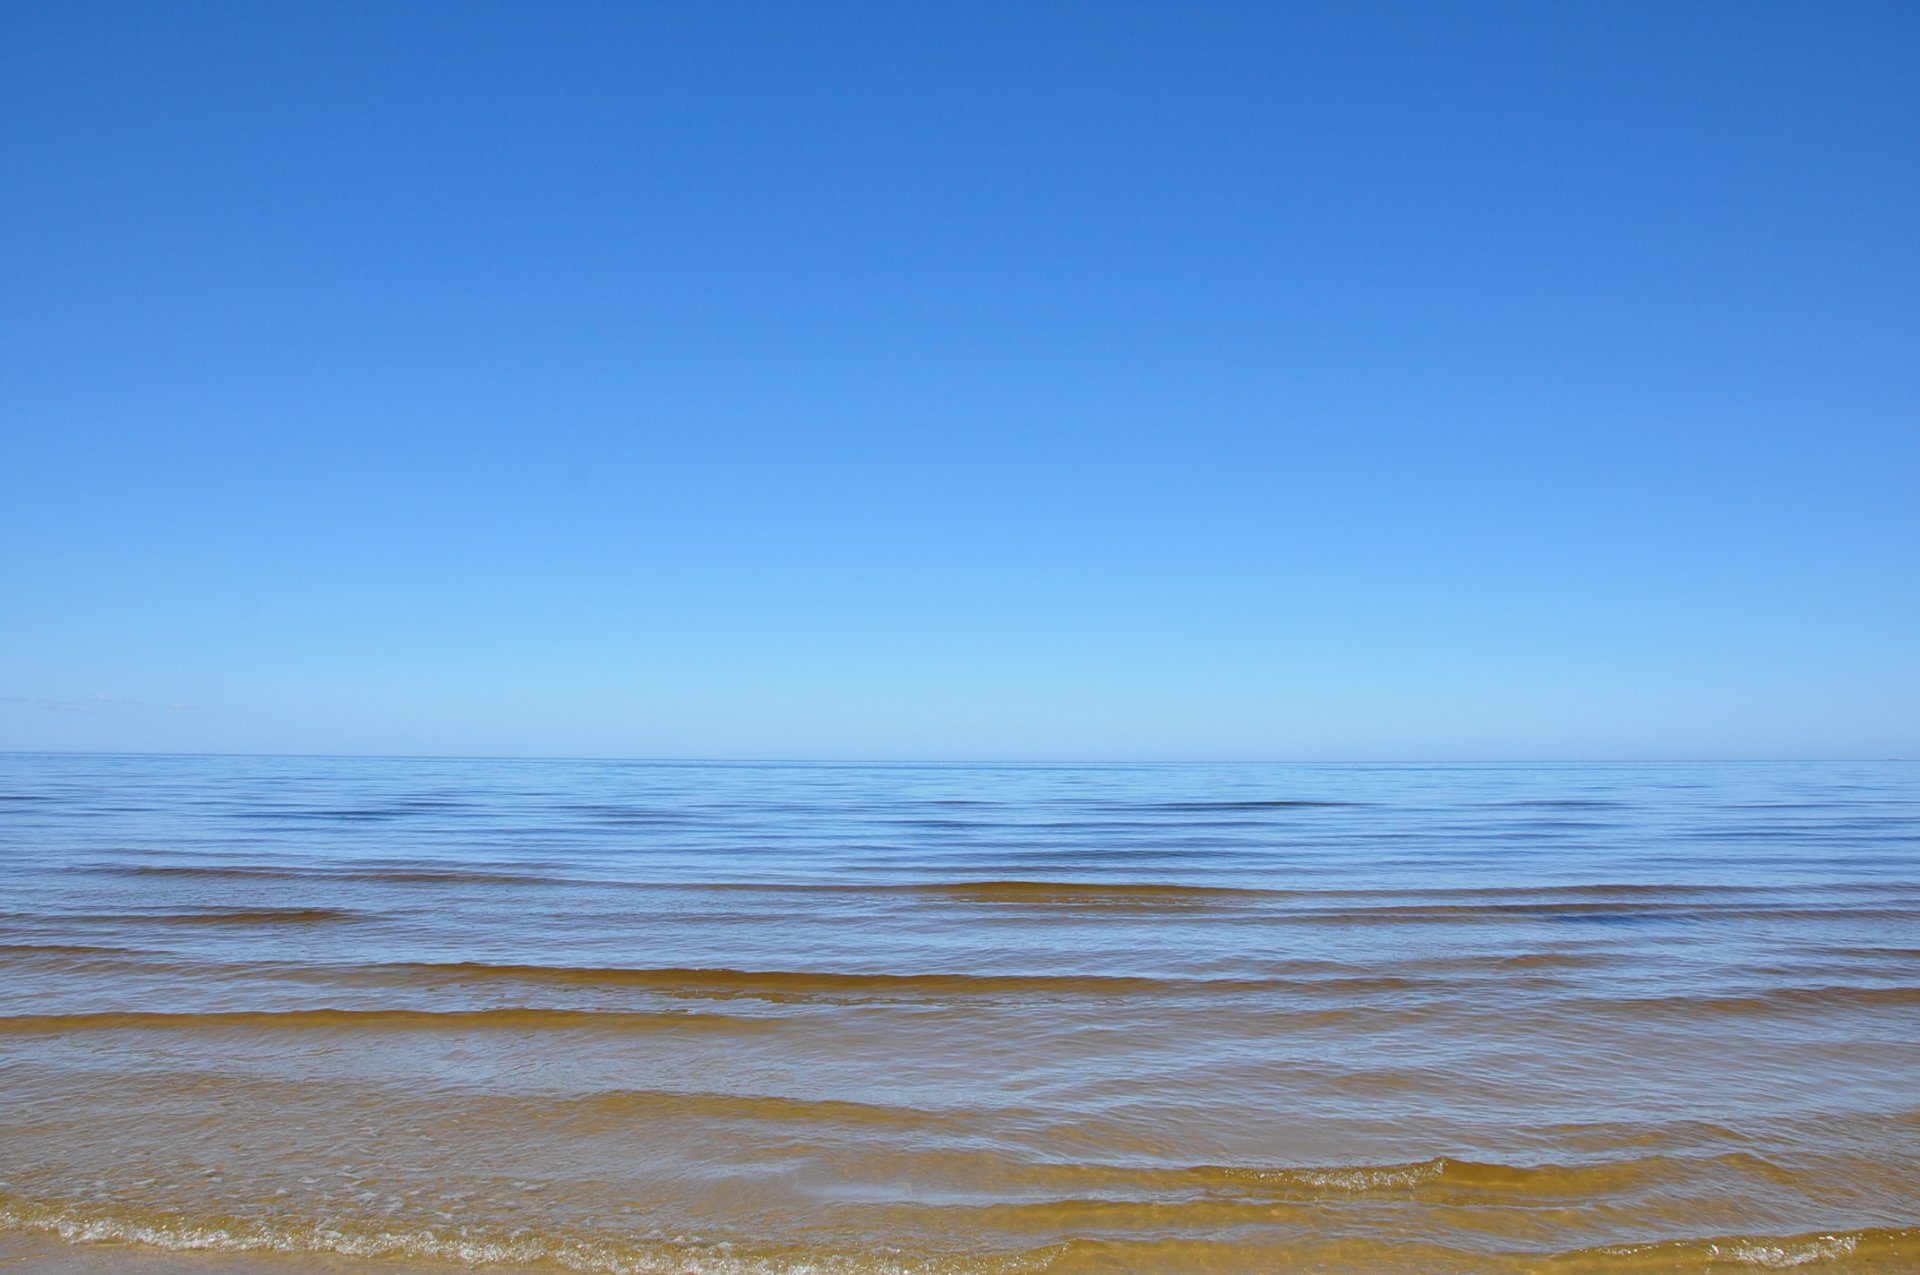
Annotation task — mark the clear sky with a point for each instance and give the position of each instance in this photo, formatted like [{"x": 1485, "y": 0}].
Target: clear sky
[{"x": 1052, "y": 380}]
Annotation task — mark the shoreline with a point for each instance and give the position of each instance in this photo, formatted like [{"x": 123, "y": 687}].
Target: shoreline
[
  {"x": 1873, "y": 1249},
  {"x": 45, "y": 1253}
]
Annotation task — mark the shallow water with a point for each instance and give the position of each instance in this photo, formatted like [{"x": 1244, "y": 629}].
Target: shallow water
[{"x": 636, "y": 1017}]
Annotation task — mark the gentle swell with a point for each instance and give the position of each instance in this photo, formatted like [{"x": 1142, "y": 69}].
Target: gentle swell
[
  {"x": 204, "y": 916},
  {"x": 1081, "y": 892},
  {"x": 810, "y": 984},
  {"x": 1178, "y": 807},
  {"x": 456, "y": 1245},
  {"x": 1870, "y": 1248},
  {"x": 398, "y": 875},
  {"x": 1445, "y": 1178},
  {"x": 1875, "y": 1248},
  {"x": 373, "y": 1020}
]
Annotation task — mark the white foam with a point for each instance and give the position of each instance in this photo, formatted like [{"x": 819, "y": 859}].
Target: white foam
[
  {"x": 588, "y": 1258},
  {"x": 1356, "y": 1178},
  {"x": 1822, "y": 1249}
]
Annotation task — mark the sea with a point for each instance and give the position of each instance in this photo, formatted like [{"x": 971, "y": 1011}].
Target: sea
[{"x": 321, "y": 1013}]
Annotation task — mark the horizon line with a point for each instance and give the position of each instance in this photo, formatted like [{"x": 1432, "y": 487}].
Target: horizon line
[{"x": 959, "y": 761}]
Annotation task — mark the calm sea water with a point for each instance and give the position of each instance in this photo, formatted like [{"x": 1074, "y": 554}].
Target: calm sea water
[{"x": 659, "y": 1017}]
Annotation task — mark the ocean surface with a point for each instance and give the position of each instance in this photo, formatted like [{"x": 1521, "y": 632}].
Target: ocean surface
[{"x": 619, "y": 1017}]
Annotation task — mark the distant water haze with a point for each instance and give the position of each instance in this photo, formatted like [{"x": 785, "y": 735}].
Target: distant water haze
[{"x": 625, "y": 1017}]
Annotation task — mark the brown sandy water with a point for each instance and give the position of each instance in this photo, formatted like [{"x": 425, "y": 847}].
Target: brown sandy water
[{"x": 315, "y": 1014}]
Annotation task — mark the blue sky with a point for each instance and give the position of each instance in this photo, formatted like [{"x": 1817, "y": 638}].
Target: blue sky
[{"x": 1320, "y": 381}]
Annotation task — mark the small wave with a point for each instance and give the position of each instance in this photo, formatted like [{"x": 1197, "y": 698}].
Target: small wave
[
  {"x": 1876, "y": 1248},
  {"x": 1201, "y": 806},
  {"x": 58, "y": 949},
  {"x": 630, "y": 816},
  {"x": 771, "y": 1109},
  {"x": 1101, "y": 1233},
  {"x": 519, "y": 1019},
  {"x": 1796, "y": 1253},
  {"x": 1775, "y": 1001},
  {"x": 1087, "y": 893},
  {"x": 1446, "y": 1176},
  {"x": 1353, "y": 1179},
  {"x": 1528, "y": 911},
  {"x": 462, "y": 1246},
  {"x": 202, "y": 916},
  {"x": 256, "y": 916},
  {"x": 398, "y": 875},
  {"x": 779, "y": 985}
]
